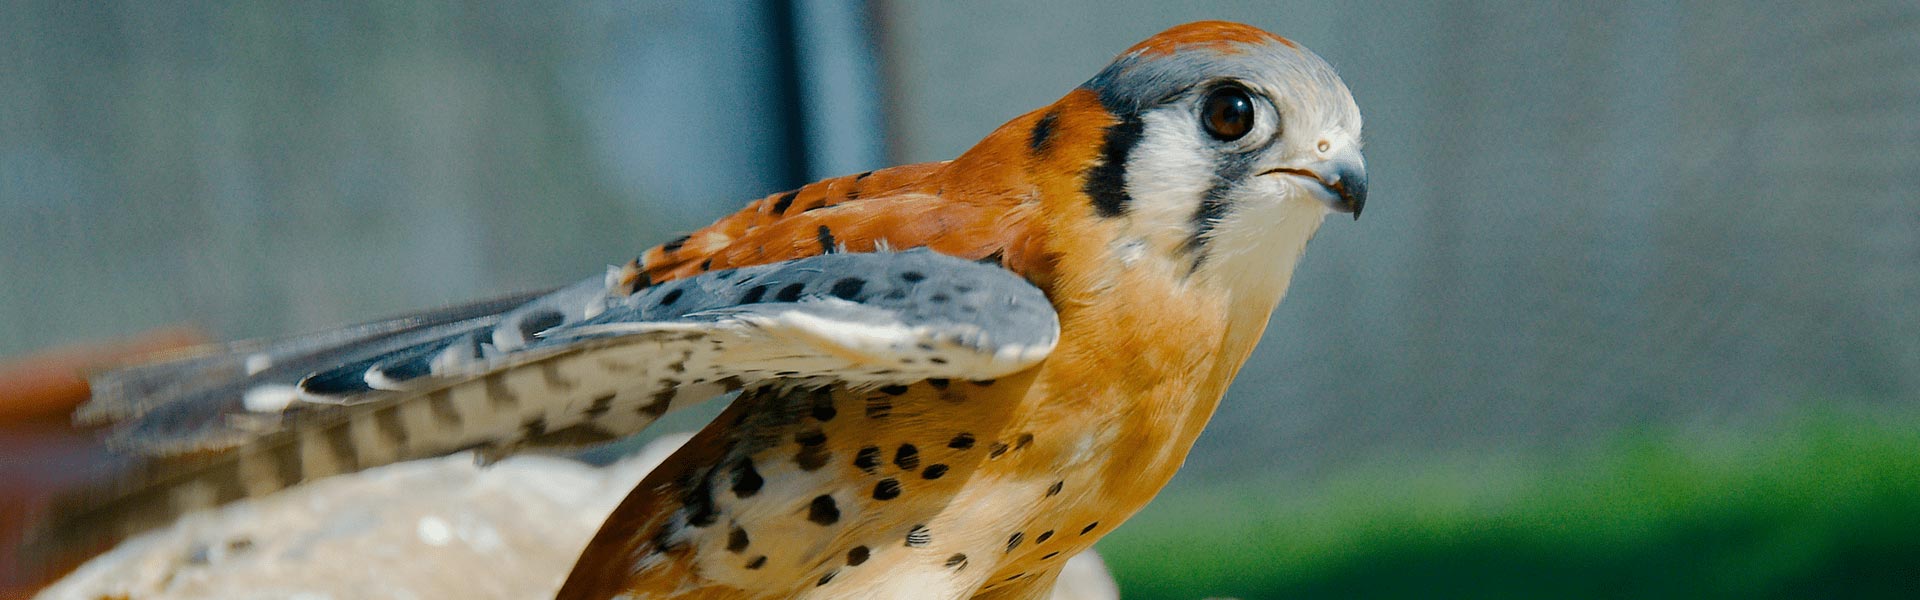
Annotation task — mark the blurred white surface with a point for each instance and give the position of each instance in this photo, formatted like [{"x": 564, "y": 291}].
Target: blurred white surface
[{"x": 441, "y": 528}]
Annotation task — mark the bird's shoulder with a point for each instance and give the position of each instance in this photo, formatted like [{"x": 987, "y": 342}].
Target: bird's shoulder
[{"x": 898, "y": 208}]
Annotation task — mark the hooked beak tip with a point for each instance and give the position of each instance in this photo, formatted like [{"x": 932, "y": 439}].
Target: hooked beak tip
[
  {"x": 1348, "y": 184},
  {"x": 1352, "y": 190}
]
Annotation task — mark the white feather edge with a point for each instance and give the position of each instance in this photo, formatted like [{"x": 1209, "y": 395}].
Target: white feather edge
[{"x": 864, "y": 343}]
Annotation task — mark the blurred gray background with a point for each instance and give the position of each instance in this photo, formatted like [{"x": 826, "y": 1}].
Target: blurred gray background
[{"x": 1583, "y": 219}]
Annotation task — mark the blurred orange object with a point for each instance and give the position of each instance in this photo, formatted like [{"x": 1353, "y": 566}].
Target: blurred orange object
[
  {"x": 48, "y": 385},
  {"x": 40, "y": 451}
]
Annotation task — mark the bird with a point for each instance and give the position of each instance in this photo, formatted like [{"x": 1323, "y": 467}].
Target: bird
[{"x": 947, "y": 377}]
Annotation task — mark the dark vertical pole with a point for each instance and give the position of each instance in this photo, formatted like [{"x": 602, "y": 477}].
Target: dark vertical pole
[{"x": 784, "y": 46}]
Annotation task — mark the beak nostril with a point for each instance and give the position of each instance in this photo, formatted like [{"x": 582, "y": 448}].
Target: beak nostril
[{"x": 1325, "y": 146}]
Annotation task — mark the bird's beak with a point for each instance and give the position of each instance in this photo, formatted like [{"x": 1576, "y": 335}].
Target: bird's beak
[{"x": 1340, "y": 181}]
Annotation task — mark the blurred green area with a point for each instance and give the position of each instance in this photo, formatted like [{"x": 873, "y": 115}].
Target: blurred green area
[{"x": 1820, "y": 506}]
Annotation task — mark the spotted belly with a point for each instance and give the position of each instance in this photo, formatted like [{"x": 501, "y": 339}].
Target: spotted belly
[{"x": 935, "y": 490}]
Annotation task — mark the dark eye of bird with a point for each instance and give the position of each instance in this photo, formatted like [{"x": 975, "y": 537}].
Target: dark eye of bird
[{"x": 1227, "y": 113}]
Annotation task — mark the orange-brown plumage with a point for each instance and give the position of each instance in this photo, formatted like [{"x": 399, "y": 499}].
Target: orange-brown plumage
[
  {"x": 1219, "y": 35},
  {"x": 1056, "y": 455},
  {"x": 971, "y": 207}
]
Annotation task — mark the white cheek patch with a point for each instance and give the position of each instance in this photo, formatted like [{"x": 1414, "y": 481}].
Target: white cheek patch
[
  {"x": 1167, "y": 175},
  {"x": 1254, "y": 248}
]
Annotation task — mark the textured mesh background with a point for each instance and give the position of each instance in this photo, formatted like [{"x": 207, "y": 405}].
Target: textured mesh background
[{"x": 1584, "y": 218}]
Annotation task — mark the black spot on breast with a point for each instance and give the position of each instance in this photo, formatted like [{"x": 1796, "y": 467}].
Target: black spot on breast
[
  {"x": 810, "y": 437},
  {"x": 1106, "y": 184},
  {"x": 786, "y": 200},
  {"x": 540, "y": 321},
  {"x": 907, "y": 457},
  {"x": 963, "y": 441},
  {"x": 886, "y": 489},
  {"x": 811, "y": 458},
  {"x": 862, "y": 175},
  {"x": 823, "y": 510},
  {"x": 674, "y": 246},
  {"x": 746, "y": 479},
  {"x": 857, "y": 555},
  {"x": 825, "y": 236},
  {"x": 893, "y": 390},
  {"x": 919, "y": 536},
  {"x": 737, "y": 540},
  {"x": 1089, "y": 527},
  {"x": 1050, "y": 556},
  {"x": 934, "y": 471},
  {"x": 983, "y": 382},
  {"x": 1014, "y": 540},
  {"x": 822, "y": 410},
  {"x": 1054, "y": 489},
  {"x": 867, "y": 459},
  {"x": 1025, "y": 439},
  {"x": 938, "y": 384},
  {"x": 1014, "y": 576},
  {"x": 790, "y": 293},
  {"x": 753, "y": 295},
  {"x": 669, "y": 298},
  {"x": 879, "y": 407},
  {"x": 847, "y": 288},
  {"x": 913, "y": 276},
  {"x": 1042, "y": 132},
  {"x": 707, "y": 265},
  {"x": 1042, "y": 538},
  {"x": 757, "y": 562},
  {"x": 824, "y": 579},
  {"x": 997, "y": 449},
  {"x": 957, "y": 562}
]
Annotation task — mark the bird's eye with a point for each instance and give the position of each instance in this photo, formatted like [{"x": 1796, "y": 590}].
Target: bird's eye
[{"x": 1227, "y": 113}]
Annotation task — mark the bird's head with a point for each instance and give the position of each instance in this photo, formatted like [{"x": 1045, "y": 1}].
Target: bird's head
[
  {"x": 1211, "y": 151},
  {"x": 1220, "y": 118}
]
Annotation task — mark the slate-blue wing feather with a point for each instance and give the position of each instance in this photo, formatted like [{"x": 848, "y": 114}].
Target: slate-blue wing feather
[
  {"x": 580, "y": 365},
  {"x": 224, "y": 370}
]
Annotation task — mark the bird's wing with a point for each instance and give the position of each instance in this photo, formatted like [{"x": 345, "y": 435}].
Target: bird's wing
[
  {"x": 195, "y": 385},
  {"x": 581, "y": 364}
]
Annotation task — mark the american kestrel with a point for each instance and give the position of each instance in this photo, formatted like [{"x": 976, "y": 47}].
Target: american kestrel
[{"x": 952, "y": 376}]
